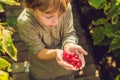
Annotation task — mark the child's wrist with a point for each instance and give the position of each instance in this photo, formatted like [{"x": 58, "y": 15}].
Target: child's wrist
[
  {"x": 56, "y": 51},
  {"x": 67, "y": 45}
]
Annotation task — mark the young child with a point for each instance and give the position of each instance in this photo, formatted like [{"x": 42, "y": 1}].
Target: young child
[{"x": 46, "y": 26}]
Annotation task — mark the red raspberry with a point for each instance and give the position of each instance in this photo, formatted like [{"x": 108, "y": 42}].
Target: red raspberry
[
  {"x": 78, "y": 65},
  {"x": 72, "y": 59}
]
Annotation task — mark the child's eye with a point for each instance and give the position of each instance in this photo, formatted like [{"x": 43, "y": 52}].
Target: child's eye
[{"x": 48, "y": 17}]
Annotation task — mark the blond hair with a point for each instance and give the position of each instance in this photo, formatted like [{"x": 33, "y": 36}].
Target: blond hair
[{"x": 47, "y": 6}]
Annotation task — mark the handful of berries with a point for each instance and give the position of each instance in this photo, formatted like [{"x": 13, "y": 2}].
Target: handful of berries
[{"x": 72, "y": 58}]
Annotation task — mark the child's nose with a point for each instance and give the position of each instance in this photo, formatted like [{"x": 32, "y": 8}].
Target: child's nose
[{"x": 55, "y": 21}]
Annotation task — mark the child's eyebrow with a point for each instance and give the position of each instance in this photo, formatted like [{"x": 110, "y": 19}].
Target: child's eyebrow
[{"x": 51, "y": 14}]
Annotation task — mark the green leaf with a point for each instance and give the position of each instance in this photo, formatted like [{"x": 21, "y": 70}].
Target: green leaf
[
  {"x": 4, "y": 75},
  {"x": 115, "y": 44},
  {"x": 4, "y": 63},
  {"x": 115, "y": 19},
  {"x": 1, "y": 8},
  {"x": 108, "y": 31},
  {"x": 97, "y": 4},
  {"x": 106, "y": 7},
  {"x": 8, "y": 45},
  {"x": 118, "y": 1},
  {"x": 11, "y": 78},
  {"x": 12, "y": 21},
  {"x": 99, "y": 21},
  {"x": 1, "y": 38},
  {"x": 9, "y": 2},
  {"x": 1, "y": 47},
  {"x": 98, "y": 35},
  {"x": 114, "y": 10},
  {"x": 117, "y": 34},
  {"x": 9, "y": 69},
  {"x": 117, "y": 77}
]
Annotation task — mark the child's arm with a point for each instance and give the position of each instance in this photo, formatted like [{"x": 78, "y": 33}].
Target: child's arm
[{"x": 47, "y": 54}]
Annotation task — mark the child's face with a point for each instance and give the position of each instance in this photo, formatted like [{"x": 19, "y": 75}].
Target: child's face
[{"x": 48, "y": 19}]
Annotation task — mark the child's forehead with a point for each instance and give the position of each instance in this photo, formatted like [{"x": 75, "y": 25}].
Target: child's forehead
[
  {"x": 54, "y": 10},
  {"x": 51, "y": 10},
  {"x": 51, "y": 14}
]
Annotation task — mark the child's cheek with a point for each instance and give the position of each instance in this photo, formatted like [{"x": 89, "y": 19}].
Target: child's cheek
[{"x": 45, "y": 21}]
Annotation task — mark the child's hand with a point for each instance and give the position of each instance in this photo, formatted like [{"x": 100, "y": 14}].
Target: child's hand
[
  {"x": 63, "y": 63},
  {"x": 73, "y": 59},
  {"x": 70, "y": 47}
]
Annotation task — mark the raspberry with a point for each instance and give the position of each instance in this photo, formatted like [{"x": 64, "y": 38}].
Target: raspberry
[{"x": 72, "y": 58}]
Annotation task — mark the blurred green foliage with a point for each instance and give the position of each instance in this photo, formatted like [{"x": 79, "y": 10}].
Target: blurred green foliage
[
  {"x": 7, "y": 48},
  {"x": 106, "y": 30}
]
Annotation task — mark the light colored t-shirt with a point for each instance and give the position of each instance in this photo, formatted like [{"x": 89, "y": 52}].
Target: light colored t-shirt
[{"x": 37, "y": 37}]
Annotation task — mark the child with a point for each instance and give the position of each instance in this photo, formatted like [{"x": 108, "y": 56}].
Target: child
[{"x": 46, "y": 26}]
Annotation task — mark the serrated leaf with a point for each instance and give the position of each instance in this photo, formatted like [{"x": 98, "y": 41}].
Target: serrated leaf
[
  {"x": 99, "y": 21},
  {"x": 108, "y": 30},
  {"x": 8, "y": 45},
  {"x": 97, "y": 4},
  {"x": 115, "y": 44},
  {"x": 4, "y": 63},
  {"x": 98, "y": 35},
  {"x": 4, "y": 75}
]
